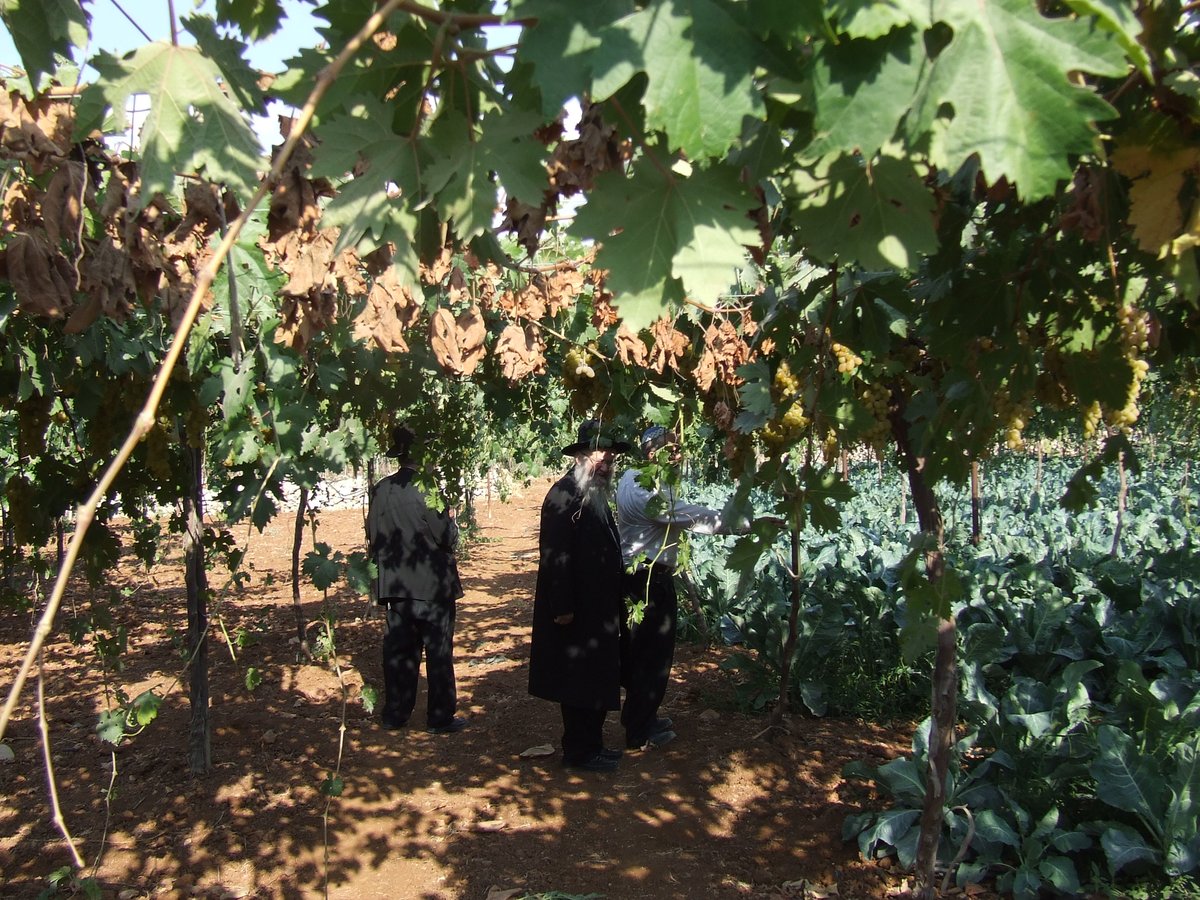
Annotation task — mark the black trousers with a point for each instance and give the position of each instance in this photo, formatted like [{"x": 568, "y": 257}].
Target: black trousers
[
  {"x": 413, "y": 626},
  {"x": 583, "y": 732},
  {"x": 647, "y": 649}
]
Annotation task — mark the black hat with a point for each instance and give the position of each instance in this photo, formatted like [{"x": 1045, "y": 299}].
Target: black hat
[
  {"x": 403, "y": 439},
  {"x": 592, "y": 437}
]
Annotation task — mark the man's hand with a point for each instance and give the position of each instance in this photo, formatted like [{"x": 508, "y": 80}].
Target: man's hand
[{"x": 564, "y": 620}]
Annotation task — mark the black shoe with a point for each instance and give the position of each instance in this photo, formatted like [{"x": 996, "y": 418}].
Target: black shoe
[
  {"x": 392, "y": 724},
  {"x": 661, "y": 724},
  {"x": 455, "y": 725},
  {"x": 656, "y": 740},
  {"x": 597, "y": 762},
  {"x": 610, "y": 753}
]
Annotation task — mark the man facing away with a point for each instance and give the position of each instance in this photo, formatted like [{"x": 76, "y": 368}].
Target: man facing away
[
  {"x": 574, "y": 657},
  {"x": 417, "y": 582},
  {"x": 651, "y": 519}
]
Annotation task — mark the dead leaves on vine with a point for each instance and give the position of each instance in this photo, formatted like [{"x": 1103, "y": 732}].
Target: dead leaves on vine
[{"x": 458, "y": 342}]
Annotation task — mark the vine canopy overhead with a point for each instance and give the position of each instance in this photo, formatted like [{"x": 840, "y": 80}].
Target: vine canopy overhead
[{"x": 711, "y": 132}]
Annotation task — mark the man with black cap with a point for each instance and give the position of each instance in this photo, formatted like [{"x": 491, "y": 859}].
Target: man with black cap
[
  {"x": 574, "y": 657},
  {"x": 417, "y": 581},
  {"x": 651, "y": 519}
]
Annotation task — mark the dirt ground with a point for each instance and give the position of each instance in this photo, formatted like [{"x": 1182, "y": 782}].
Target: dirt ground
[{"x": 726, "y": 811}]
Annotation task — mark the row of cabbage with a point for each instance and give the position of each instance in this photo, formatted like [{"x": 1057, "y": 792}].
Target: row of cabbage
[{"x": 1080, "y": 667}]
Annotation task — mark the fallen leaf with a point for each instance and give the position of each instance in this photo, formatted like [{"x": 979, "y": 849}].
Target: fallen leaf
[{"x": 538, "y": 751}]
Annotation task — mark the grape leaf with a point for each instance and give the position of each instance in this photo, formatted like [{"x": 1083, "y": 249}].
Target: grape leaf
[
  {"x": 861, "y": 90},
  {"x": 562, "y": 43},
  {"x": 698, "y": 58},
  {"x": 256, "y": 19},
  {"x": 1006, "y": 77},
  {"x": 1118, "y": 16},
  {"x": 228, "y": 53},
  {"x": 368, "y": 216},
  {"x": 1157, "y": 177},
  {"x": 460, "y": 178},
  {"x": 193, "y": 127},
  {"x": 43, "y": 29},
  {"x": 678, "y": 233},
  {"x": 880, "y": 216},
  {"x": 875, "y": 18}
]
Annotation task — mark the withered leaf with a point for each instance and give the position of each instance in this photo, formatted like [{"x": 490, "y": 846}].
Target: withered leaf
[
  {"x": 520, "y": 351},
  {"x": 458, "y": 343}
]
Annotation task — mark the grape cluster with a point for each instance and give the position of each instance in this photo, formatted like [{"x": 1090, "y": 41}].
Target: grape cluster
[
  {"x": 1135, "y": 329},
  {"x": 1091, "y": 418},
  {"x": 1015, "y": 415},
  {"x": 847, "y": 360},
  {"x": 830, "y": 446},
  {"x": 580, "y": 379},
  {"x": 787, "y": 428},
  {"x": 33, "y": 418},
  {"x": 1128, "y": 414},
  {"x": 877, "y": 398}
]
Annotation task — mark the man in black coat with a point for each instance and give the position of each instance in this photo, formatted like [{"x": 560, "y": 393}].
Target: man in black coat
[
  {"x": 417, "y": 582},
  {"x": 574, "y": 658}
]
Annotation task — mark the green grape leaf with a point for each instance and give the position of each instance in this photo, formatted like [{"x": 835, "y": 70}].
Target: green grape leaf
[
  {"x": 367, "y": 216},
  {"x": 333, "y": 786},
  {"x": 1006, "y": 79},
  {"x": 44, "y": 29},
  {"x": 321, "y": 568},
  {"x": 145, "y": 707},
  {"x": 861, "y": 91},
  {"x": 562, "y": 43},
  {"x": 677, "y": 234},
  {"x": 253, "y": 678},
  {"x": 370, "y": 698},
  {"x": 111, "y": 727},
  {"x": 698, "y": 58},
  {"x": 228, "y": 53},
  {"x": 193, "y": 127},
  {"x": 1118, "y": 16},
  {"x": 460, "y": 180},
  {"x": 880, "y": 216},
  {"x": 875, "y": 18},
  {"x": 256, "y": 20}
]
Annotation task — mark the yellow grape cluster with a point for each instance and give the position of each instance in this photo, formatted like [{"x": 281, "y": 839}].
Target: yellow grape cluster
[
  {"x": 847, "y": 360},
  {"x": 1015, "y": 415},
  {"x": 33, "y": 418},
  {"x": 1128, "y": 414},
  {"x": 830, "y": 446},
  {"x": 158, "y": 451},
  {"x": 580, "y": 379},
  {"x": 877, "y": 398},
  {"x": 785, "y": 429},
  {"x": 1091, "y": 418},
  {"x": 1135, "y": 329}
]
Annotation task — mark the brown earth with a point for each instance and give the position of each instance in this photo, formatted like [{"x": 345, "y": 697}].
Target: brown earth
[{"x": 728, "y": 810}]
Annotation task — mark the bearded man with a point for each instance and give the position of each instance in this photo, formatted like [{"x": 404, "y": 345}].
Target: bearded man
[{"x": 574, "y": 658}]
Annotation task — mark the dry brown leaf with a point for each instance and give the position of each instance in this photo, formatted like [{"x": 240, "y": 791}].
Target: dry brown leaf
[
  {"x": 20, "y": 207},
  {"x": 40, "y": 275},
  {"x": 631, "y": 349},
  {"x": 458, "y": 343},
  {"x": 670, "y": 345},
  {"x": 389, "y": 312},
  {"x": 62, "y": 207},
  {"x": 437, "y": 270},
  {"x": 1156, "y": 180},
  {"x": 520, "y": 352}
]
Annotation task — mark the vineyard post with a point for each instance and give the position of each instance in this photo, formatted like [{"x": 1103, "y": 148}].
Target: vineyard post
[
  {"x": 789, "y": 645},
  {"x": 1122, "y": 491},
  {"x": 976, "y": 505},
  {"x": 199, "y": 735},
  {"x": 298, "y": 539}
]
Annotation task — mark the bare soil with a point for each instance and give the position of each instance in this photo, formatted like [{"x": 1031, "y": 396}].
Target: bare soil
[{"x": 729, "y": 810}]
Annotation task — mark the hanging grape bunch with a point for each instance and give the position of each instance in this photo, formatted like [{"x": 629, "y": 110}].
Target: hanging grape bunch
[
  {"x": 579, "y": 375},
  {"x": 877, "y": 398},
  {"x": 790, "y": 422},
  {"x": 1135, "y": 339},
  {"x": 1013, "y": 415}
]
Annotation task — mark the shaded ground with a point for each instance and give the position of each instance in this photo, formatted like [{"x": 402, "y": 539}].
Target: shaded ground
[{"x": 724, "y": 812}]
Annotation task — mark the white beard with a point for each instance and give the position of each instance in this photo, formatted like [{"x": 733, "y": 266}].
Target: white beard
[{"x": 594, "y": 487}]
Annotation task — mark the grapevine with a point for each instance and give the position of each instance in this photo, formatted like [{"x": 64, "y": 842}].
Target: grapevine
[{"x": 787, "y": 427}]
